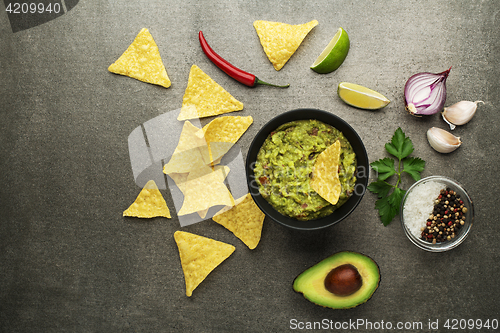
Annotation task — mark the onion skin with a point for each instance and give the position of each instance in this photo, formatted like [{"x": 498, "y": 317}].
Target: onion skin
[{"x": 425, "y": 93}]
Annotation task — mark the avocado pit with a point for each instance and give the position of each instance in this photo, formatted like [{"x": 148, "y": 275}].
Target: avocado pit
[{"x": 343, "y": 280}]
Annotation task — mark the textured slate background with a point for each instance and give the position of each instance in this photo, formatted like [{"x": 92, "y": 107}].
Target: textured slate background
[{"x": 70, "y": 262}]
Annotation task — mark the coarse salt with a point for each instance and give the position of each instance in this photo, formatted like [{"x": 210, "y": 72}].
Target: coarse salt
[{"x": 419, "y": 205}]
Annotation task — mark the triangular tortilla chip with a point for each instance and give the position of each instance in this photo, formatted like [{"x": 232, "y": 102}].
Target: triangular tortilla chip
[
  {"x": 189, "y": 153},
  {"x": 142, "y": 61},
  {"x": 325, "y": 179},
  {"x": 244, "y": 220},
  {"x": 149, "y": 203},
  {"x": 205, "y": 188},
  {"x": 217, "y": 161},
  {"x": 199, "y": 256},
  {"x": 222, "y": 132},
  {"x": 203, "y": 213},
  {"x": 225, "y": 128},
  {"x": 204, "y": 97},
  {"x": 281, "y": 40},
  {"x": 181, "y": 179},
  {"x": 217, "y": 150}
]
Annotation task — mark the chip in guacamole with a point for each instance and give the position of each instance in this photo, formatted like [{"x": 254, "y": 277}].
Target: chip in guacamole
[{"x": 284, "y": 168}]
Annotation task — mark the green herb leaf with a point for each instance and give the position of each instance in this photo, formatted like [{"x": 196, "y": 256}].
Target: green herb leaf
[
  {"x": 396, "y": 197},
  {"x": 413, "y": 166},
  {"x": 380, "y": 187},
  {"x": 400, "y": 145},
  {"x": 388, "y": 207},
  {"x": 384, "y": 168},
  {"x": 386, "y": 211}
]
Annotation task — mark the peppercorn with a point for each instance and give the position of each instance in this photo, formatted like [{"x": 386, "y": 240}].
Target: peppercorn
[{"x": 447, "y": 218}]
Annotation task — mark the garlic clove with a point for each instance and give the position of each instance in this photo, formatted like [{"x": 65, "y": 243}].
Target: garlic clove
[
  {"x": 459, "y": 113},
  {"x": 452, "y": 126},
  {"x": 442, "y": 141}
]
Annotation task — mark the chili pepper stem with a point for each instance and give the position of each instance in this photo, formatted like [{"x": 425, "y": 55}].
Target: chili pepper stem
[{"x": 258, "y": 81}]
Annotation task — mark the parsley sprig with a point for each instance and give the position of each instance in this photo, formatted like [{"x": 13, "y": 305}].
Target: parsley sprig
[{"x": 390, "y": 196}]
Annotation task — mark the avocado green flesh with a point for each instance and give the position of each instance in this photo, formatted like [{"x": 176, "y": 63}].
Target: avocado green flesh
[{"x": 311, "y": 283}]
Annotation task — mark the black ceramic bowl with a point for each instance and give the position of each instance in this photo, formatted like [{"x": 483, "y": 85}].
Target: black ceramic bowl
[{"x": 362, "y": 169}]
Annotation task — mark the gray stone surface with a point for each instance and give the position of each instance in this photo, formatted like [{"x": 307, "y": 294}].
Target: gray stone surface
[{"x": 69, "y": 260}]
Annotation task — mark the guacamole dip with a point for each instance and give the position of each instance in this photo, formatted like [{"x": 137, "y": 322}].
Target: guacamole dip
[{"x": 284, "y": 167}]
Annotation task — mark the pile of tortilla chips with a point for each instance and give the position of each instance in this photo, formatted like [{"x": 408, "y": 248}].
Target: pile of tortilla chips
[
  {"x": 194, "y": 167},
  {"x": 195, "y": 164}
]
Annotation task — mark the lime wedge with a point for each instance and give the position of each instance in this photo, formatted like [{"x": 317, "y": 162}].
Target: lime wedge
[
  {"x": 361, "y": 97},
  {"x": 333, "y": 55}
]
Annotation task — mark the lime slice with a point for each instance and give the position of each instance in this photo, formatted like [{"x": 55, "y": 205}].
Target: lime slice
[
  {"x": 361, "y": 97},
  {"x": 333, "y": 55}
]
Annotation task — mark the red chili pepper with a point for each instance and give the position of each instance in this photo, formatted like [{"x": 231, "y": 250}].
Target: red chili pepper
[{"x": 234, "y": 72}]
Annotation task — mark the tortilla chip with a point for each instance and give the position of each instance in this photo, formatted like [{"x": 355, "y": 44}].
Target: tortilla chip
[
  {"x": 142, "y": 61},
  {"x": 199, "y": 256},
  {"x": 225, "y": 129},
  {"x": 217, "y": 161},
  {"x": 203, "y": 213},
  {"x": 281, "y": 40},
  {"x": 205, "y": 188},
  {"x": 244, "y": 220},
  {"x": 149, "y": 203},
  {"x": 216, "y": 151},
  {"x": 325, "y": 180},
  {"x": 181, "y": 179},
  {"x": 188, "y": 154},
  {"x": 204, "y": 97},
  {"x": 222, "y": 132}
]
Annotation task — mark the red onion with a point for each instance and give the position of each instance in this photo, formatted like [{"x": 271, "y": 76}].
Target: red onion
[{"x": 425, "y": 93}]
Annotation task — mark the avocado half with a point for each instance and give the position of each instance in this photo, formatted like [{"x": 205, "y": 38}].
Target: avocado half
[{"x": 311, "y": 283}]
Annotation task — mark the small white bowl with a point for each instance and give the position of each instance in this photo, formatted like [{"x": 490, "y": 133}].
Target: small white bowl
[{"x": 464, "y": 230}]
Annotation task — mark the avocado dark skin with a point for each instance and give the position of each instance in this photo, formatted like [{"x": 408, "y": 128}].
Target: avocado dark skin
[{"x": 343, "y": 280}]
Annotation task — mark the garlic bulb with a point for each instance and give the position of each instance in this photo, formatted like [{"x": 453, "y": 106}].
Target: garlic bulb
[
  {"x": 459, "y": 113},
  {"x": 442, "y": 141}
]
